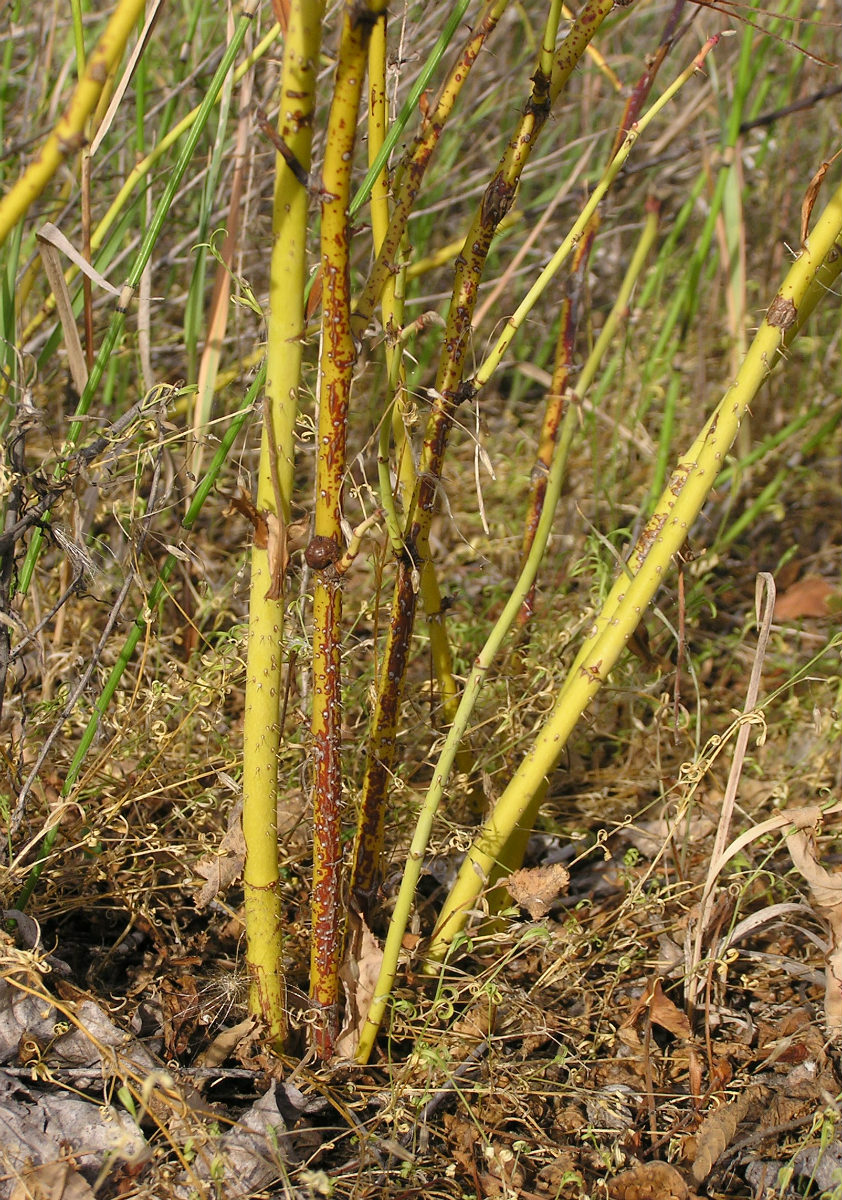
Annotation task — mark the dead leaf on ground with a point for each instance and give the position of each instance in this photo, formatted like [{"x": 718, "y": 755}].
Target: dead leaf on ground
[
  {"x": 503, "y": 1172},
  {"x": 359, "y": 974},
  {"x": 226, "y": 1043},
  {"x": 92, "y": 1039},
  {"x": 250, "y": 1156},
  {"x": 179, "y": 1012},
  {"x": 37, "y": 1127},
  {"x": 826, "y": 898},
  {"x": 810, "y": 597},
  {"x": 822, "y": 1165},
  {"x": 717, "y": 1131},
  {"x": 649, "y": 1181},
  {"x": 53, "y": 1181},
  {"x": 535, "y": 888},
  {"x": 220, "y": 870},
  {"x": 651, "y": 837},
  {"x": 462, "y": 1140},
  {"x": 472, "y": 1028},
  {"x": 662, "y": 1012}
]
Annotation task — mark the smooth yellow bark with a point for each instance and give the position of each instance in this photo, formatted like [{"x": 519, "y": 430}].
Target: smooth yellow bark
[
  {"x": 67, "y": 138},
  {"x": 264, "y": 667}
]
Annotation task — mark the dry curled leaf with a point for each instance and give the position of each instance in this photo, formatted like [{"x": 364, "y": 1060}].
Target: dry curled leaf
[
  {"x": 810, "y": 597},
  {"x": 826, "y": 897},
  {"x": 221, "y": 869},
  {"x": 535, "y": 888},
  {"x": 359, "y": 973},
  {"x": 52, "y": 1181},
  {"x": 662, "y": 1011},
  {"x": 810, "y": 196}
]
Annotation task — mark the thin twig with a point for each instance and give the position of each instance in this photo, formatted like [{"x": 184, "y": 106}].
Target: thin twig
[
  {"x": 30, "y": 636},
  {"x": 269, "y": 131},
  {"x": 81, "y": 459},
  {"x": 20, "y": 804},
  {"x": 15, "y": 461},
  {"x": 765, "y": 584}
]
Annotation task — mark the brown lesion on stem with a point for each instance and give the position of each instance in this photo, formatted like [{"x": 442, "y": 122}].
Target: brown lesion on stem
[
  {"x": 324, "y": 552},
  {"x": 380, "y": 753}
]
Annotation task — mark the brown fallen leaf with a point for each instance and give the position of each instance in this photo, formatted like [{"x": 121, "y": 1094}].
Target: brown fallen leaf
[
  {"x": 535, "y": 888},
  {"x": 221, "y": 869},
  {"x": 226, "y": 1043},
  {"x": 359, "y": 973},
  {"x": 662, "y": 1011},
  {"x": 717, "y": 1131},
  {"x": 649, "y": 1181},
  {"x": 504, "y": 1174},
  {"x": 52, "y": 1181},
  {"x": 668, "y": 1015},
  {"x": 808, "y": 598},
  {"x": 826, "y": 899}
]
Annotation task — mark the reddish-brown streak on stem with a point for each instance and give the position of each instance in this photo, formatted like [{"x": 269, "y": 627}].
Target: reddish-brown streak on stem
[
  {"x": 381, "y": 749},
  {"x": 643, "y": 86},
  {"x": 557, "y": 400},
  {"x": 335, "y": 365},
  {"x": 415, "y": 164}
]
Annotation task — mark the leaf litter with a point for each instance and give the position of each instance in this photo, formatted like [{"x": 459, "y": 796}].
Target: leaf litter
[{"x": 558, "y": 1057}]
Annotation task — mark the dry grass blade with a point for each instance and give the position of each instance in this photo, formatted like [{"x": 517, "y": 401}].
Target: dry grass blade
[
  {"x": 110, "y": 113},
  {"x": 52, "y": 269},
  {"x": 765, "y": 589},
  {"x": 826, "y": 895}
]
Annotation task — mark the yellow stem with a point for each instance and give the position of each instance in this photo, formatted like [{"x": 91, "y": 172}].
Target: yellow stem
[
  {"x": 662, "y": 537},
  {"x": 261, "y": 734},
  {"x": 68, "y": 136}
]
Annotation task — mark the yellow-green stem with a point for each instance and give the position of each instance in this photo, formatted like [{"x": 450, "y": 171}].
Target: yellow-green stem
[
  {"x": 68, "y": 136},
  {"x": 261, "y": 734},
  {"x": 662, "y": 537},
  {"x": 457, "y": 731}
]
